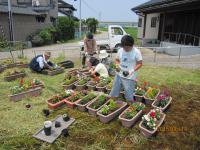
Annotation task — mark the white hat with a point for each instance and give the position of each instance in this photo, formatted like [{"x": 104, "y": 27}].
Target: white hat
[{"x": 103, "y": 54}]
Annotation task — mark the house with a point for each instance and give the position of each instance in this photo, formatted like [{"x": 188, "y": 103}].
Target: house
[
  {"x": 28, "y": 16},
  {"x": 171, "y": 22}
]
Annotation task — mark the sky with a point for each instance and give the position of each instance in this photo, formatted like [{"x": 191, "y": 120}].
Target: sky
[{"x": 107, "y": 10}]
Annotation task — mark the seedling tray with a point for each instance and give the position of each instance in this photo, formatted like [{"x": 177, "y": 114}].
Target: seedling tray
[{"x": 55, "y": 132}]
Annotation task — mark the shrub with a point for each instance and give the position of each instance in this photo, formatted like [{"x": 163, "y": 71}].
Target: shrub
[
  {"x": 37, "y": 41},
  {"x": 46, "y": 36}
]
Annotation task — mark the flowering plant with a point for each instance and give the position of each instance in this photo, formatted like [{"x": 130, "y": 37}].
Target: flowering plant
[
  {"x": 163, "y": 98},
  {"x": 139, "y": 91},
  {"x": 133, "y": 110},
  {"x": 152, "y": 92},
  {"x": 150, "y": 120}
]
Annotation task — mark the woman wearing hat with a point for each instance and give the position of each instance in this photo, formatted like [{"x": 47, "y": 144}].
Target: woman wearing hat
[
  {"x": 41, "y": 62},
  {"x": 89, "y": 49}
]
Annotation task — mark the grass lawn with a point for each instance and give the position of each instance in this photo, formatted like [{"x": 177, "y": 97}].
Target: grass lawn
[{"x": 17, "y": 125}]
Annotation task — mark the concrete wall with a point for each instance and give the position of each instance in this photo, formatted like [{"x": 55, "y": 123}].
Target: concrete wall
[{"x": 175, "y": 49}]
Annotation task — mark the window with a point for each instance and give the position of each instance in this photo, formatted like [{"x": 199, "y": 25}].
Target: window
[
  {"x": 140, "y": 22},
  {"x": 153, "y": 22},
  {"x": 40, "y": 18},
  {"x": 117, "y": 31},
  {"x": 24, "y": 1}
]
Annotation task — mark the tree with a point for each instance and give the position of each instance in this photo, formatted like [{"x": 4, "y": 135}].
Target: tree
[{"x": 92, "y": 24}]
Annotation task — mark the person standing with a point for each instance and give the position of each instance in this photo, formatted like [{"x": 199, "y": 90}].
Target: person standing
[
  {"x": 128, "y": 62},
  {"x": 89, "y": 49}
]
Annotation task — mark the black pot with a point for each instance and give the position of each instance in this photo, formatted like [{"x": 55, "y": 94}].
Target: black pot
[
  {"x": 47, "y": 128},
  {"x": 65, "y": 132},
  {"x": 57, "y": 124},
  {"x": 66, "y": 117},
  {"x": 46, "y": 112}
]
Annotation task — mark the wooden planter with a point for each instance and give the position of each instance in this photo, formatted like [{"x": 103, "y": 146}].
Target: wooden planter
[
  {"x": 53, "y": 72},
  {"x": 149, "y": 101},
  {"x": 130, "y": 122},
  {"x": 139, "y": 98},
  {"x": 148, "y": 133},
  {"x": 56, "y": 105},
  {"x": 155, "y": 104},
  {"x": 68, "y": 87},
  {"x": 91, "y": 87},
  {"x": 30, "y": 93},
  {"x": 80, "y": 87},
  {"x": 92, "y": 111},
  {"x": 69, "y": 103},
  {"x": 111, "y": 116},
  {"x": 101, "y": 89},
  {"x": 14, "y": 77},
  {"x": 83, "y": 108}
]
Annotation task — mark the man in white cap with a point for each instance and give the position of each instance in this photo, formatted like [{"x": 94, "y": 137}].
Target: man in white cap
[{"x": 41, "y": 62}]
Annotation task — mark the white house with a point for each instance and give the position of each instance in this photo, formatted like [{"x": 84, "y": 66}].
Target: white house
[{"x": 169, "y": 22}]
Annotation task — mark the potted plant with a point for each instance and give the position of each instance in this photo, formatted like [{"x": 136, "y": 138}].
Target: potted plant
[
  {"x": 69, "y": 81},
  {"x": 109, "y": 87},
  {"x": 101, "y": 86},
  {"x": 57, "y": 100},
  {"x": 131, "y": 115},
  {"x": 75, "y": 96},
  {"x": 151, "y": 95},
  {"x": 111, "y": 110},
  {"x": 81, "y": 84},
  {"x": 54, "y": 71},
  {"x": 97, "y": 104},
  {"x": 139, "y": 94},
  {"x": 85, "y": 101},
  {"x": 14, "y": 74},
  {"x": 151, "y": 122},
  {"x": 36, "y": 83},
  {"x": 162, "y": 101}
]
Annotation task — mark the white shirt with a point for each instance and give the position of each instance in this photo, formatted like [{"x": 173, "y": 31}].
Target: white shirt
[
  {"x": 41, "y": 60},
  {"x": 102, "y": 70},
  {"x": 128, "y": 61}
]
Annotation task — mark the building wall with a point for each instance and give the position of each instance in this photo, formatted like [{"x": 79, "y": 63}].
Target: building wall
[
  {"x": 140, "y": 29},
  {"x": 24, "y": 25}
]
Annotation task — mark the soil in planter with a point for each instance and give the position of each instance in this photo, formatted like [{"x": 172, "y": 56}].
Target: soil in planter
[{"x": 60, "y": 97}]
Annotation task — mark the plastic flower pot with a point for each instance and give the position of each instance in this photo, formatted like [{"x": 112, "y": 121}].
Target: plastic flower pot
[
  {"x": 69, "y": 103},
  {"x": 139, "y": 98},
  {"x": 14, "y": 77},
  {"x": 149, "y": 101},
  {"x": 53, "y": 72},
  {"x": 83, "y": 108},
  {"x": 111, "y": 116},
  {"x": 91, "y": 87},
  {"x": 101, "y": 89},
  {"x": 56, "y": 105},
  {"x": 47, "y": 128},
  {"x": 93, "y": 111},
  {"x": 128, "y": 123},
  {"x": 21, "y": 65},
  {"x": 30, "y": 93},
  {"x": 155, "y": 104},
  {"x": 39, "y": 85},
  {"x": 149, "y": 133},
  {"x": 8, "y": 66},
  {"x": 70, "y": 86}
]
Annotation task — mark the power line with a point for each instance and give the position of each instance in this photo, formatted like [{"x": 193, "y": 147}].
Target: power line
[{"x": 92, "y": 9}]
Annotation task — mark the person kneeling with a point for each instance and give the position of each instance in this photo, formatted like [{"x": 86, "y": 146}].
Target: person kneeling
[
  {"x": 98, "y": 69},
  {"x": 41, "y": 62}
]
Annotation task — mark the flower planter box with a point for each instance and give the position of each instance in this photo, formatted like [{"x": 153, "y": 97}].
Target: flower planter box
[
  {"x": 69, "y": 103},
  {"x": 92, "y": 111},
  {"x": 56, "y": 105},
  {"x": 108, "y": 90},
  {"x": 8, "y": 66},
  {"x": 30, "y": 93},
  {"x": 155, "y": 104},
  {"x": 22, "y": 65},
  {"x": 80, "y": 87},
  {"x": 53, "y": 72},
  {"x": 149, "y": 101},
  {"x": 111, "y": 116},
  {"x": 101, "y": 89},
  {"x": 71, "y": 86},
  {"x": 130, "y": 122},
  {"x": 14, "y": 77},
  {"x": 139, "y": 98},
  {"x": 75, "y": 70},
  {"x": 83, "y": 108},
  {"x": 2, "y": 68},
  {"x": 148, "y": 133},
  {"x": 91, "y": 87}
]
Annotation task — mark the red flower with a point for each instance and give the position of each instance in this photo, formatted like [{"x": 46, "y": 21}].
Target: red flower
[
  {"x": 153, "y": 114},
  {"x": 145, "y": 83},
  {"x": 21, "y": 81}
]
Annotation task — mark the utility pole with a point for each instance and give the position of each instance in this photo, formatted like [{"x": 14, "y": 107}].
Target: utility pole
[
  {"x": 80, "y": 28},
  {"x": 10, "y": 20}
]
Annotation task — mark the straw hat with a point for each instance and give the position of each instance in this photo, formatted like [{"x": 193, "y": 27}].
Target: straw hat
[
  {"x": 47, "y": 54},
  {"x": 103, "y": 54}
]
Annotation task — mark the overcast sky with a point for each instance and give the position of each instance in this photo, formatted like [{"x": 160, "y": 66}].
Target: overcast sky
[{"x": 108, "y": 10}]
